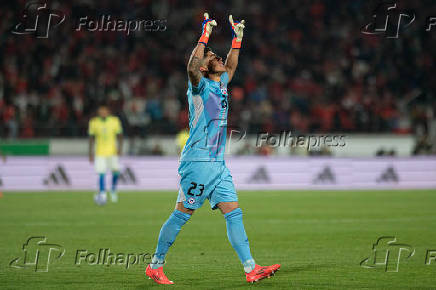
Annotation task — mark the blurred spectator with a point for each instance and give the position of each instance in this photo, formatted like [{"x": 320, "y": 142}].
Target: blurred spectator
[
  {"x": 423, "y": 146},
  {"x": 320, "y": 151},
  {"x": 383, "y": 152},
  {"x": 304, "y": 67},
  {"x": 181, "y": 139},
  {"x": 380, "y": 152},
  {"x": 157, "y": 150},
  {"x": 245, "y": 150},
  {"x": 264, "y": 150}
]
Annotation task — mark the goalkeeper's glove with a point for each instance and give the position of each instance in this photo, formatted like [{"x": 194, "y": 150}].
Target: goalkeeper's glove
[
  {"x": 208, "y": 24},
  {"x": 237, "y": 32}
]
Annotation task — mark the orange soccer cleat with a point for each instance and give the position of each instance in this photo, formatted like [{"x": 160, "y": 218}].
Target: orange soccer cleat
[
  {"x": 260, "y": 273},
  {"x": 157, "y": 275}
]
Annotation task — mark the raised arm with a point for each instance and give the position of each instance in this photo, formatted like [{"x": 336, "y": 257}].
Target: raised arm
[
  {"x": 198, "y": 52},
  {"x": 232, "y": 62},
  {"x": 195, "y": 63},
  {"x": 233, "y": 55}
]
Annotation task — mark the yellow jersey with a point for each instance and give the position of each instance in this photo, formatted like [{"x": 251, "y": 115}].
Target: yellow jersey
[
  {"x": 105, "y": 132},
  {"x": 181, "y": 139}
]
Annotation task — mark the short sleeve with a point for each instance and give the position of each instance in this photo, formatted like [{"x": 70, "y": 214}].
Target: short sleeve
[
  {"x": 225, "y": 78},
  {"x": 200, "y": 88},
  {"x": 91, "y": 128}
]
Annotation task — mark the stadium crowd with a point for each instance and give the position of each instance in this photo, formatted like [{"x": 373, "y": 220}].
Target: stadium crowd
[{"x": 305, "y": 66}]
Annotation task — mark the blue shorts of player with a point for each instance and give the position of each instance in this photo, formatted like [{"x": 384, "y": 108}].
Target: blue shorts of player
[{"x": 201, "y": 180}]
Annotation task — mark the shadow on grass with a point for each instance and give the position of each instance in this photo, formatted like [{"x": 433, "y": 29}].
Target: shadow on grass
[{"x": 303, "y": 268}]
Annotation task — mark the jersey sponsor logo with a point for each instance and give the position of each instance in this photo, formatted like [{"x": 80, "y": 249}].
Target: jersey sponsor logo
[{"x": 223, "y": 89}]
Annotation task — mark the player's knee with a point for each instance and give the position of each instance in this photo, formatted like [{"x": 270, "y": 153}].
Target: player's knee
[
  {"x": 180, "y": 218},
  {"x": 182, "y": 208},
  {"x": 235, "y": 214},
  {"x": 227, "y": 207}
]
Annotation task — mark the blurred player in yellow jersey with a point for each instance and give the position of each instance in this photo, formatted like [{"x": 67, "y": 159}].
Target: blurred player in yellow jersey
[
  {"x": 106, "y": 140},
  {"x": 181, "y": 139}
]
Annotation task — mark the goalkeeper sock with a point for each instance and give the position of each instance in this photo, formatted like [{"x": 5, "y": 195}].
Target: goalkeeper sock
[
  {"x": 238, "y": 238},
  {"x": 167, "y": 236},
  {"x": 101, "y": 181}
]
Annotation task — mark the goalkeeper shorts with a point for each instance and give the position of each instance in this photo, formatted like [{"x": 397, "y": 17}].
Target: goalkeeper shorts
[{"x": 205, "y": 180}]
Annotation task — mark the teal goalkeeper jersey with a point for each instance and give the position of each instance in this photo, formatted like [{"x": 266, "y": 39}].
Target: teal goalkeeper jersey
[{"x": 208, "y": 109}]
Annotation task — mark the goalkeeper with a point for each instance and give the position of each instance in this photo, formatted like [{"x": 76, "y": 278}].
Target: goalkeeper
[{"x": 203, "y": 172}]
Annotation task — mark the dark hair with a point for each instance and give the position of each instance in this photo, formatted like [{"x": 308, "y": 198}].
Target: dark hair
[{"x": 207, "y": 49}]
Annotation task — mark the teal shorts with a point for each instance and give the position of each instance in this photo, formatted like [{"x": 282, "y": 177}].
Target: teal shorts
[{"x": 205, "y": 180}]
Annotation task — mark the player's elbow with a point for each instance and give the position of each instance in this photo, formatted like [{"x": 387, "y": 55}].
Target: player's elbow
[{"x": 191, "y": 69}]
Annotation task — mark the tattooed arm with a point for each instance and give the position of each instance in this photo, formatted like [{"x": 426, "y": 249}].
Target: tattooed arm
[
  {"x": 195, "y": 63},
  {"x": 197, "y": 55}
]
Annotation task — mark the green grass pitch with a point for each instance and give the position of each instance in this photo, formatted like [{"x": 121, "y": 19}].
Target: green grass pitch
[{"x": 319, "y": 237}]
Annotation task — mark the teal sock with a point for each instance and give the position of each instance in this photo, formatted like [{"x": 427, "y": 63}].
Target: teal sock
[
  {"x": 238, "y": 238},
  {"x": 167, "y": 236}
]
